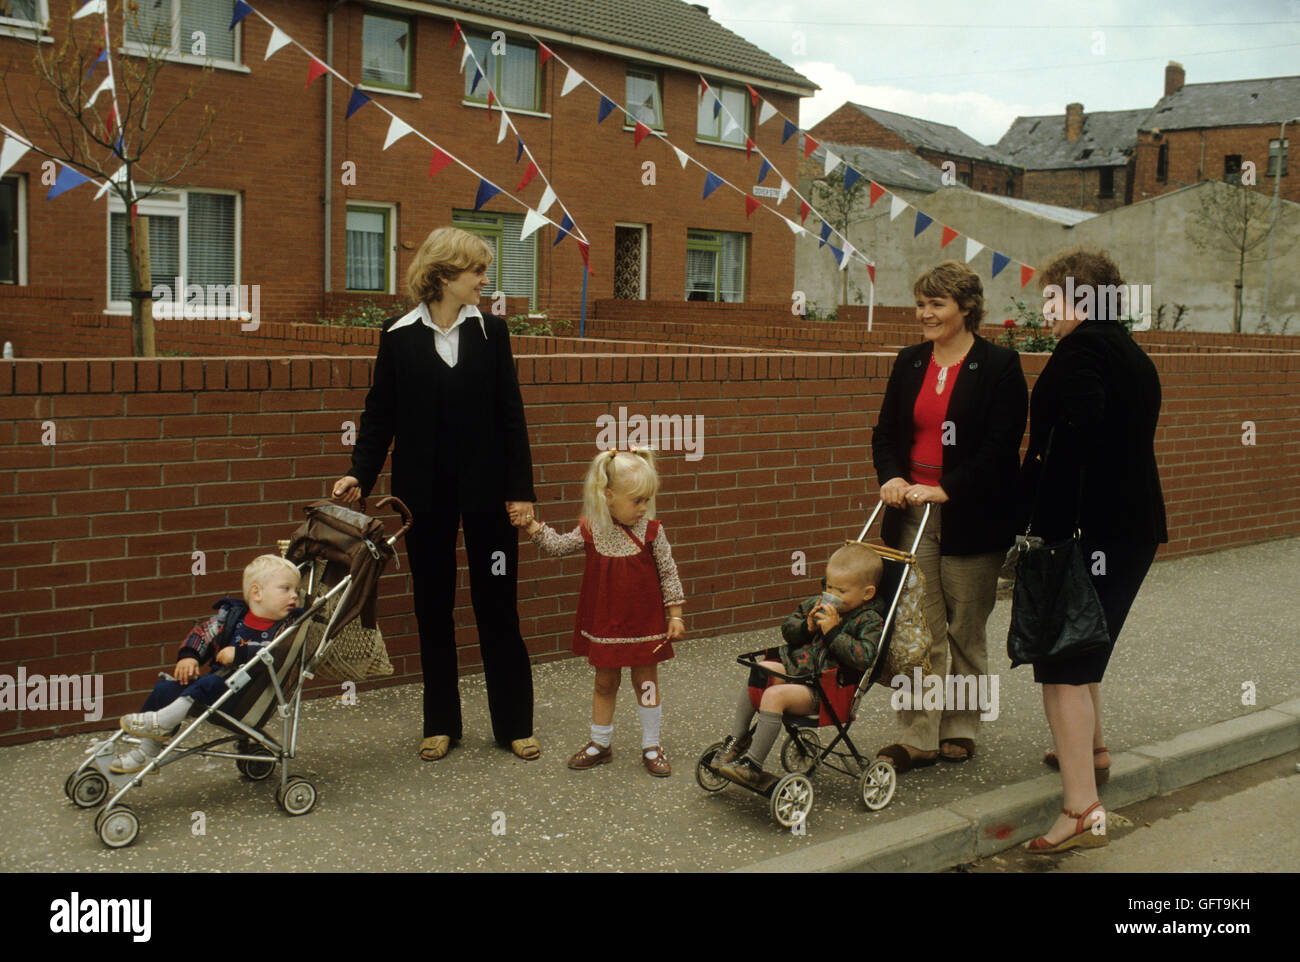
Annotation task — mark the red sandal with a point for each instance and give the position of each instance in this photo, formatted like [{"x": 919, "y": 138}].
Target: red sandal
[{"x": 1083, "y": 837}]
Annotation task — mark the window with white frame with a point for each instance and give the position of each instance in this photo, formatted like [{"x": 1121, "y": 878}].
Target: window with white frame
[
  {"x": 715, "y": 266},
  {"x": 370, "y": 248},
  {"x": 194, "y": 28},
  {"x": 1277, "y": 150},
  {"x": 644, "y": 101},
  {"x": 194, "y": 236},
  {"x": 13, "y": 233},
  {"x": 513, "y": 270},
  {"x": 735, "y": 105},
  {"x": 386, "y": 51},
  {"x": 24, "y": 13},
  {"x": 510, "y": 66}
]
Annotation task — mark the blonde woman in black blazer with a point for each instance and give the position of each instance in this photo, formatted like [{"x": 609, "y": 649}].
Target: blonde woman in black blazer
[
  {"x": 445, "y": 391},
  {"x": 978, "y": 390}
]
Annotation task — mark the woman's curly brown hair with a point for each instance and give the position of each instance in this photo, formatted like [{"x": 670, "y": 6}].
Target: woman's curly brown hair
[
  {"x": 1090, "y": 267},
  {"x": 956, "y": 280}
]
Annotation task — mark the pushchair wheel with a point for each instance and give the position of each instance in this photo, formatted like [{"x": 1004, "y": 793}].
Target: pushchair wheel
[
  {"x": 877, "y": 784},
  {"x": 117, "y": 826},
  {"x": 298, "y": 797},
  {"x": 792, "y": 799},
  {"x": 86, "y": 789},
  {"x": 67, "y": 784},
  {"x": 801, "y": 751},
  {"x": 256, "y": 771},
  {"x": 705, "y": 777}
]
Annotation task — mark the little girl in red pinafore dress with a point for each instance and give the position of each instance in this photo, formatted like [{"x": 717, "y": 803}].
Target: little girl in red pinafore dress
[{"x": 628, "y": 582}]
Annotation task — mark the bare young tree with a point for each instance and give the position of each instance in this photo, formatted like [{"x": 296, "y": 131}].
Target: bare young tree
[
  {"x": 838, "y": 205},
  {"x": 140, "y": 138},
  {"x": 1234, "y": 220}
]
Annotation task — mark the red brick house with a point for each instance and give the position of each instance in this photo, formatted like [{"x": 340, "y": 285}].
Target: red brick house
[
  {"x": 1084, "y": 160},
  {"x": 977, "y": 166},
  {"x": 273, "y": 203},
  {"x": 1208, "y": 131}
]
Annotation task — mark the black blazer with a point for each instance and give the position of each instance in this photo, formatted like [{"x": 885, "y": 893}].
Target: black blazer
[
  {"x": 496, "y": 464},
  {"x": 988, "y": 407},
  {"x": 1102, "y": 394}
]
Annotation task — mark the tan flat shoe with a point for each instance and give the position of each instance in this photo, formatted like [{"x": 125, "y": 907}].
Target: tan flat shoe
[
  {"x": 526, "y": 748},
  {"x": 434, "y": 747}
]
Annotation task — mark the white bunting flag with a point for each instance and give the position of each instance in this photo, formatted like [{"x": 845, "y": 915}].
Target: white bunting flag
[
  {"x": 783, "y": 191},
  {"x": 973, "y": 247},
  {"x": 795, "y": 228},
  {"x": 532, "y": 221},
  {"x": 572, "y": 80},
  {"x": 548, "y": 198},
  {"x": 279, "y": 40},
  {"x": 105, "y": 84},
  {"x": 464, "y": 56},
  {"x": 95, "y": 6},
  {"x": 397, "y": 129},
  {"x": 682, "y": 158},
  {"x": 505, "y": 125},
  {"x": 849, "y": 251},
  {"x": 731, "y": 125},
  {"x": 13, "y": 149},
  {"x": 765, "y": 113},
  {"x": 896, "y": 206},
  {"x": 117, "y": 178},
  {"x": 832, "y": 161}
]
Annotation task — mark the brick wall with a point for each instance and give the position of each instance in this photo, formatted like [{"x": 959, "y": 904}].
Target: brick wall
[
  {"x": 1197, "y": 155},
  {"x": 595, "y": 169},
  {"x": 1079, "y": 188},
  {"x": 156, "y": 459}
]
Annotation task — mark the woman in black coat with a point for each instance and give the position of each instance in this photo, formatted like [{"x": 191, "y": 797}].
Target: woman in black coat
[
  {"x": 446, "y": 392},
  {"x": 1097, "y": 401},
  {"x": 949, "y": 433}
]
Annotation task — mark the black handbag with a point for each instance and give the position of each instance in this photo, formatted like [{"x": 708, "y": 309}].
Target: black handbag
[{"x": 1055, "y": 611}]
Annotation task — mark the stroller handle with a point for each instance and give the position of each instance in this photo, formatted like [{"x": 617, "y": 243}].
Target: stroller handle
[{"x": 402, "y": 511}]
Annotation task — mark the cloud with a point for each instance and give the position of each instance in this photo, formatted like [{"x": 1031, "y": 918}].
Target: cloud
[{"x": 983, "y": 117}]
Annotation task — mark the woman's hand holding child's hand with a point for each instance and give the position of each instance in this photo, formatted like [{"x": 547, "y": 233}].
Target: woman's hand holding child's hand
[{"x": 187, "y": 669}]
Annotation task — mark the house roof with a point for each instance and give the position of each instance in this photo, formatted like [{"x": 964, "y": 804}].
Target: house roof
[
  {"x": 1234, "y": 103},
  {"x": 891, "y": 168},
  {"x": 1062, "y": 215},
  {"x": 1108, "y": 139},
  {"x": 671, "y": 28},
  {"x": 943, "y": 138}
]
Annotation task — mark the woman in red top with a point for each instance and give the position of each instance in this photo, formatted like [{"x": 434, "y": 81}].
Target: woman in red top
[
  {"x": 949, "y": 434},
  {"x": 628, "y": 582}
]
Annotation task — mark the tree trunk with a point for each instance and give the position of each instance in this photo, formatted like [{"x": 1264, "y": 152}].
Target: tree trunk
[{"x": 142, "y": 339}]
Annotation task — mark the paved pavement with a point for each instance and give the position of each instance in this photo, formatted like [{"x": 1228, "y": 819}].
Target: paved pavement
[{"x": 1201, "y": 628}]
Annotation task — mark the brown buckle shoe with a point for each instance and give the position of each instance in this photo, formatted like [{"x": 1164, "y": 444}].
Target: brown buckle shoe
[
  {"x": 583, "y": 759},
  {"x": 655, "y": 762}
]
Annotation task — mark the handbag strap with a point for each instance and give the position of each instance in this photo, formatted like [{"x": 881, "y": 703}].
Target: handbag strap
[{"x": 1038, "y": 491}]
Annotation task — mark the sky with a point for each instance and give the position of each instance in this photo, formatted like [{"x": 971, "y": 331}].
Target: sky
[{"x": 980, "y": 65}]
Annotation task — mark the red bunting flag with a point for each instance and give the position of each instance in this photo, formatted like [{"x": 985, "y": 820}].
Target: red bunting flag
[
  {"x": 314, "y": 70},
  {"x": 809, "y": 145},
  {"x": 639, "y": 134},
  {"x": 585, "y": 248},
  {"x": 871, "y": 270},
  {"x": 876, "y": 193},
  {"x": 704, "y": 86},
  {"x": 491, "y": 97},
  {"x": 949, "y": 235},
  {"x": 804, "y": 211},
  {"x": 529, "y": 174},
  {"x": 751, "y": 204},
  {"x": 440, "y": 160},
  {"x": 1026, "y": 272},
  {"x": 749, "y": 148},
  {"x": 546, "y": 54},
  {"x": 455, "y": 33},
  {"x": 753, "y": 95}
]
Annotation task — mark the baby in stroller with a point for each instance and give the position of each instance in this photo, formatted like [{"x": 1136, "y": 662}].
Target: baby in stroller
[
  {"x": 232, "y": 636},
  {"x": 842, "y": 626}
]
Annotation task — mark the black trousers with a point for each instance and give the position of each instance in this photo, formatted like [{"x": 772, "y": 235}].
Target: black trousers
[
  {"x": 1127, "y": 564},
  {"x": 491, "y": 543}
]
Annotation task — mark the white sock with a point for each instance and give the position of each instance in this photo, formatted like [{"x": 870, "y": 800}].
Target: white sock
[
  {"x": 175, "y": 713},
  {"x": 650, "y": 720},
  {"x": 150, "y": 748},
  {"x": 602, "y": 735}
]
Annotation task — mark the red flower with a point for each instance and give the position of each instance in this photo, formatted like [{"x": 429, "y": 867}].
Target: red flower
[{"x": 1009, "y": 322}]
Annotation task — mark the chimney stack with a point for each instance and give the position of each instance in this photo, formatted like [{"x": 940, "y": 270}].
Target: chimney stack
[
  {"x": 1073, "y": 121},
  {"x": 1174, "y": 76}
]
